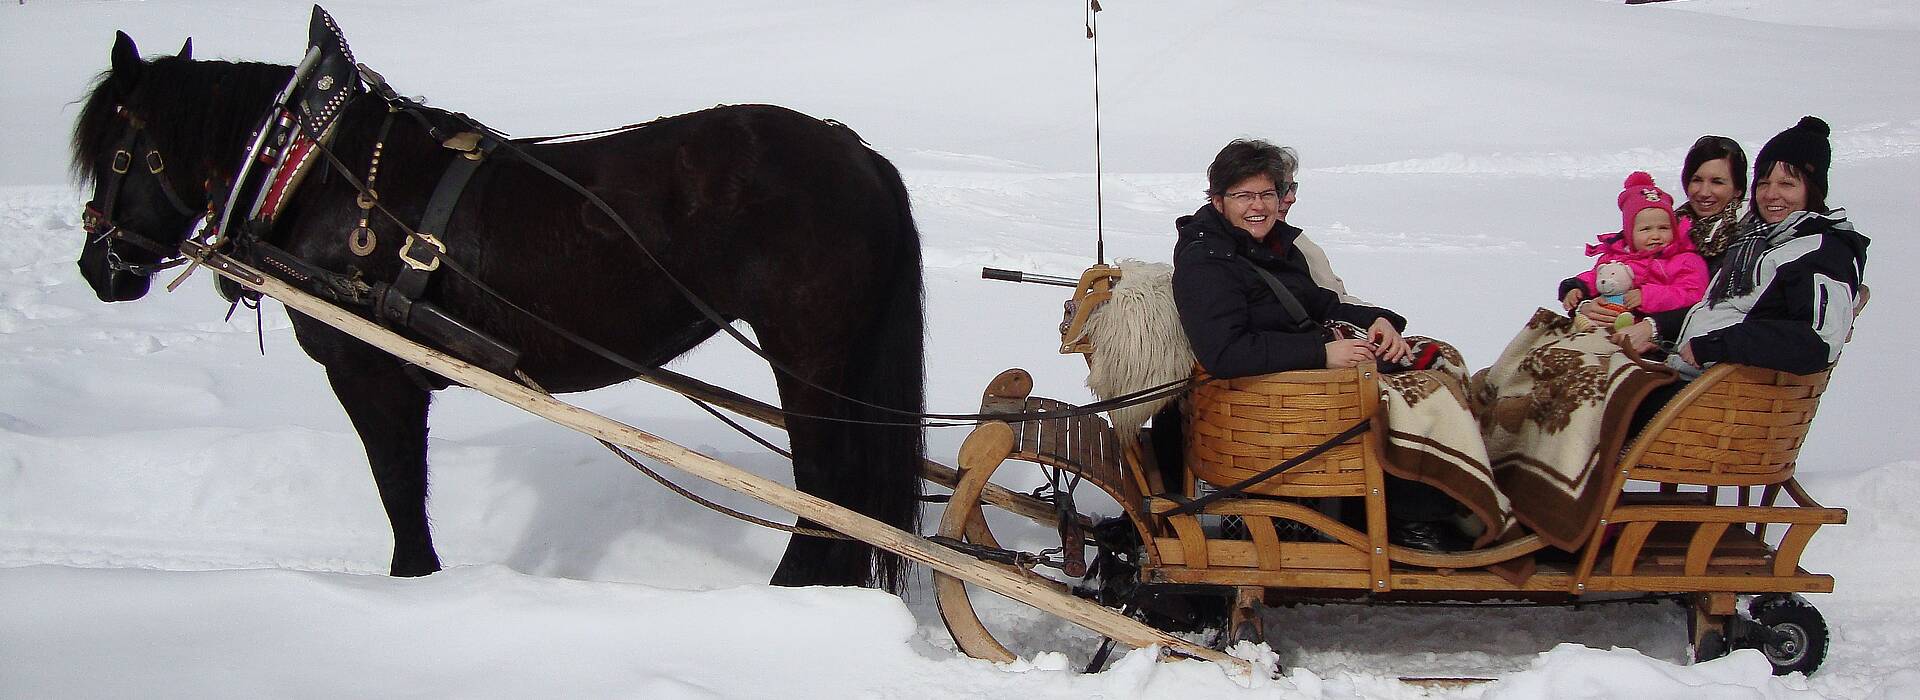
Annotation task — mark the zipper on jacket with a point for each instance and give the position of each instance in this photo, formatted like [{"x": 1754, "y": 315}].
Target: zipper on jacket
[{"x": 1822, "y": 324}]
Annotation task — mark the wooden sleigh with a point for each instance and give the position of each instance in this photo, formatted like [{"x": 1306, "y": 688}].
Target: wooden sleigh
[{"x": 1663, "y": 529}]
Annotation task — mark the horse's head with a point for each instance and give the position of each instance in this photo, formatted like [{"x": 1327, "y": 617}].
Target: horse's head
[{"x": 146, "y": 191}]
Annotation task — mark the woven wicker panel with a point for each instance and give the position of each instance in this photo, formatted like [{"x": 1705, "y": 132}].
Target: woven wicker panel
[
  {"x": 1747, "y": 428},
  {"x": 1237, "y": 428}
]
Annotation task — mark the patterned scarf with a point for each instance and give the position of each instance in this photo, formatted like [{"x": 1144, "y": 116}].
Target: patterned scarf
[
  {"x": 1741, "y": 265},
  {"x": 1712, "y": 235}
]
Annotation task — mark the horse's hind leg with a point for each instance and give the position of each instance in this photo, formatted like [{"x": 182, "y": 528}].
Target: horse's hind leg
[
  {"x": 872, "y": 464},
  {"x": 390, "y": 413},
  {"x": 821, "y": 451}
]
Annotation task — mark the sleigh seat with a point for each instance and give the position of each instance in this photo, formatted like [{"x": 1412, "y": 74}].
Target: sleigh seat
[
  {"x": 1733, "y": 427},
  {"x": 1234, "y": 429}
]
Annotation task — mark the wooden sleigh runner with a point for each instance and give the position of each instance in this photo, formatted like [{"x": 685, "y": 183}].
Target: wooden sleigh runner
[{"x": 1662, "y": 529}]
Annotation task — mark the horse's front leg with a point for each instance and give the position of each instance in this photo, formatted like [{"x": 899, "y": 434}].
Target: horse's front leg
[{"x": 390, "y": 412}]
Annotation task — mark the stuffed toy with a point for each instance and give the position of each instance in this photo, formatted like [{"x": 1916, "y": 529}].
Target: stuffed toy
[{"x": 1612, "y": 281}]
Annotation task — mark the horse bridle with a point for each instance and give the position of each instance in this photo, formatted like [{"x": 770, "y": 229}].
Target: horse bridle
[{"x": 98, "y": 220}]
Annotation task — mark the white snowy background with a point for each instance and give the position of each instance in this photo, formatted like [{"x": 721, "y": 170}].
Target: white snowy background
[{"x": 182, "y": 517}]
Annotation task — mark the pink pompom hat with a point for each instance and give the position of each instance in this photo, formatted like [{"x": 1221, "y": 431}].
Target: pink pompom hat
[{"x": 1638, "y": 193}]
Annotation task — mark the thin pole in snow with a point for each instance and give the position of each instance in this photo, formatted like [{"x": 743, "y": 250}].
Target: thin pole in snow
[{"x": 1099, "y": 198}]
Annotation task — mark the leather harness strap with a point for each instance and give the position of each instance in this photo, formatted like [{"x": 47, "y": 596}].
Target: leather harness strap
[
  {"x": 98, "y": 216},
  {"x": 422, "y": 250}
]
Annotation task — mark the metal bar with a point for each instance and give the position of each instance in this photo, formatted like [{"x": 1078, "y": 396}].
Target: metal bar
[{"x": 994, "y": 273}]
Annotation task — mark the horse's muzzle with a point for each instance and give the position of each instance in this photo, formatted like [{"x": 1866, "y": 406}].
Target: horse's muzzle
[{"x": 112, "y": 279}]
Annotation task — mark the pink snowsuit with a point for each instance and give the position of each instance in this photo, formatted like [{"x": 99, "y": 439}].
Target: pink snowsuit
[{"x": 1673, "y": 277}]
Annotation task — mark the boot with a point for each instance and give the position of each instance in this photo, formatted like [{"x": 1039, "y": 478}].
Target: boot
[{"x": 1426, "y": 535}]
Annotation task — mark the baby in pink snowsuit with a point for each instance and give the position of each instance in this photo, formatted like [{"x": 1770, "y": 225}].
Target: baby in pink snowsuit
[{"x": 1653, "y": 244}]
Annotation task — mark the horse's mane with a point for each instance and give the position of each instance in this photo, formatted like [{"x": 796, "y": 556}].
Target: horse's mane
[{"x": 197, "y": 109}]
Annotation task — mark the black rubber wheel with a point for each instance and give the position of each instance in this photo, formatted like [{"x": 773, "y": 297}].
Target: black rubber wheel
[{"x": 1800, "y": 631}]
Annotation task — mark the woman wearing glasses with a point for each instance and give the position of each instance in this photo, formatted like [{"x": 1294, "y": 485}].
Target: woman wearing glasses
[
  {"x": 1250, "y": 305},
  {"x": 1247, "y": 299}
]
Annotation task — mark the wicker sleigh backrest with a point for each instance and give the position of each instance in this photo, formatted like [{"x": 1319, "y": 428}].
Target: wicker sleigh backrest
[
  {"x": 1237, "y": 428},
  {"x": 1735, "y": 425}
]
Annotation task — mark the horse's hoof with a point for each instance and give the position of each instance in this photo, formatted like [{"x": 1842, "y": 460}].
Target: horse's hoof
[{"x": 413, "y": 569}]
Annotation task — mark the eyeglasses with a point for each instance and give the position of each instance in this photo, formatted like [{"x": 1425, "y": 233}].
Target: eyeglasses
[{"x": 1273, "y": 196}]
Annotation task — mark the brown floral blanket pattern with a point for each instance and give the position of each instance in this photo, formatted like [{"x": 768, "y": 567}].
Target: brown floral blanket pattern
[
  {"x": 1554, "y": 411},
  {"x": 1433, "y": 438}
]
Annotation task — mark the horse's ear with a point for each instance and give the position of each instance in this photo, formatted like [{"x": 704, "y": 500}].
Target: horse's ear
[
  {"x": 126, "y": 63},
  {"x": 186, "y": 50}
]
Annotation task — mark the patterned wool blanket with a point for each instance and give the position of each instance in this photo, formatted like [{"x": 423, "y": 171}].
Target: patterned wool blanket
[
  {"x": 1433, "y": 437},
  {"x": 1554, "y": 411}
]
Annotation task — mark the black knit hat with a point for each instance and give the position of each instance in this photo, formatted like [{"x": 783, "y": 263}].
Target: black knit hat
[{"x": 1804, "y": 146}]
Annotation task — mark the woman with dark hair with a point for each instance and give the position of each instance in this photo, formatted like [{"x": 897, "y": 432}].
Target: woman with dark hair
[
  {"x": 1250, "y": 305},
  {"x": 1781, "y": 297},
  {"x": 1237, "y": 322},
  {"x": 1785, "y": 291},
  {"x": 1784, "y": 295},
  {"x": 1715, "y": 175}
]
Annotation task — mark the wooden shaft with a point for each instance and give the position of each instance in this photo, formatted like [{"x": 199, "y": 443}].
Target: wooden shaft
[
  {"x": 873, "y": 532},
  {"x": 1011, "y": 501}
]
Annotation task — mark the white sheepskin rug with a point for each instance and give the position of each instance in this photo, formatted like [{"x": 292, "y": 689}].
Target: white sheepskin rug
[{"x": 1138, "y": 343}]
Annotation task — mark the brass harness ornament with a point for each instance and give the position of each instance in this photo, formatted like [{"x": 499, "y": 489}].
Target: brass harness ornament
[{"x": 361, "y": 239}]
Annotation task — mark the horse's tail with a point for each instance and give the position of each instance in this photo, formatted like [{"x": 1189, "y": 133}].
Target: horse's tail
[{"x": 890, "y": 371}]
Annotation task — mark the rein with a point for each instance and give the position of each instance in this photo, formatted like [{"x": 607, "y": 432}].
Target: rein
[
  {"x": 1251, "y": 481},
  {"x": 278, "y": 131},
  {"x": 697, "y": 498},
  {"x": 922, "y": 419},
  {"x": 99, "y": 224}
]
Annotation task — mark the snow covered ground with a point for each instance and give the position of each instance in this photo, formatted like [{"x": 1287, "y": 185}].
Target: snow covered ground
[{"x": 180, "y": 516}]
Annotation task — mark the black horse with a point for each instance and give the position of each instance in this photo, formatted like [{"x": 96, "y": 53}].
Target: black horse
[{"x": 783, "y": 221}]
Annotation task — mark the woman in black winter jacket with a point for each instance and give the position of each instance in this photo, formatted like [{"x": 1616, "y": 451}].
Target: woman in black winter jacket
[
  {"x": 1250, "y": 306},
  {"x": 1785, "y": 291},
  {"x": 1237, "y": 320},
  {"x": 1784, "y": 294}
]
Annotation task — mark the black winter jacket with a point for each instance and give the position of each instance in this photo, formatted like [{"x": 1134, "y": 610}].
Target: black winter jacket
[
  {"x": 1236, "y": 325},
  {"x": 1800, "y": 310}
]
